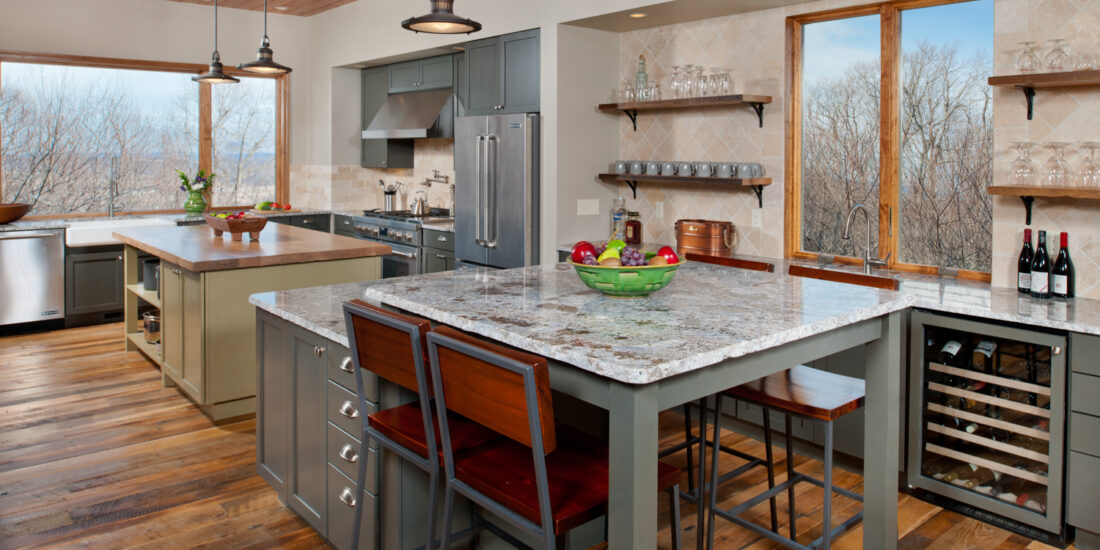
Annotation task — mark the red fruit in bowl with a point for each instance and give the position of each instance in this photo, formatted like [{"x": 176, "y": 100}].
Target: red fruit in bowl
[
  {"x": 668, "y": 254},
  {"x": 581, "y": 250}
]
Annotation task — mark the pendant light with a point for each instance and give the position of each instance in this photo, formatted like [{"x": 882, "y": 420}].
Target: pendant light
[
  {"x": 441, "y": 20},
  {"x": 215, "y": 75},
  {"x": 264, "y": 64}
]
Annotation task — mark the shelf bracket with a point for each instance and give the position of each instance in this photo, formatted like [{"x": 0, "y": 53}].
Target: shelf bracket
[
  {"x": 633, "y": 115},
  {"x": 759, "y": 108},
  {"x": 1029, "y": 94},
  {"x": 633, "y": 184},
  {"x": 759, "y": 190},
  {"x": 1027, "y": 204}
]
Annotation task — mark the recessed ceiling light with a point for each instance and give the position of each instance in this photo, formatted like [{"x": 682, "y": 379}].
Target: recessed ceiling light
[{"x": 638, "y": 15}]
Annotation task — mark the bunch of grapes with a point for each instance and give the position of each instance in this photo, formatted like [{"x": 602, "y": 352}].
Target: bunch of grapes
[
  {"x": 632, "y": 257},
  {"x": 590, "y": 260},
  {"x": 600, "y": 248}
]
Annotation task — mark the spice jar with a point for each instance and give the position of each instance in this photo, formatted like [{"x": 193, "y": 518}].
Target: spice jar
[{"x": 633, "y": 228}]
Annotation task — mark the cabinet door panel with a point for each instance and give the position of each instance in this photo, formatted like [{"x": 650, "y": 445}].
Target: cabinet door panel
[
  {"x": 342, "y": 519},
  {"x": 404, "y": 77},
  {"x": 461, "y": 90},
  {"x": 307, "y": 491},
  {"x": 171, "y": 335},
  {"x": 520, "y": 53},
  {"x": 272, "y": 413},
  {"x": 483, "y": 77},
  {"x": 93, "y": 282},
  {"x": 437, "y": 73},
  {"x": 191, "y": 368}
]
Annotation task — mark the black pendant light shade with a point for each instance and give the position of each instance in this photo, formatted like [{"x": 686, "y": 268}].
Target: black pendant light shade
[
  {"x": 264, "y": 63},
  {"x": 442, "y": 20},
  {"x": 215, "y": 75}
]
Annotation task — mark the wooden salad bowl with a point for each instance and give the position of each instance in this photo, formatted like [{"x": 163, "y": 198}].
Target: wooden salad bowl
[
  {"x": 237, "y": 227},
  {"x": 13, "y": 211}
]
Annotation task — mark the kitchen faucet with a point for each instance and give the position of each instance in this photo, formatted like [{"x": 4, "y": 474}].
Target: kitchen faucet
[
  {"x": 436, "y": 178},
  {"x": 112, "y": 191},
  {"x": 868, "y": 261}
]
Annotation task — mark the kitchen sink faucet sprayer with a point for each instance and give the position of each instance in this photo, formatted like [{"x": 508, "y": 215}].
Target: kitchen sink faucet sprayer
[{"x": 868, "y": 261}]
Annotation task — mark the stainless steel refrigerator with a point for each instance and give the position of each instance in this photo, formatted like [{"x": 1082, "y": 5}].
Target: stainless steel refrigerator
[{"x": 497, "y": 190}]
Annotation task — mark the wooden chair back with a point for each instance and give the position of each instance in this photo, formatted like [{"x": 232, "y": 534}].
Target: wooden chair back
[
  {"x": 873, "y": 281},
  {"x": 388, "y": 344},
  {"x": 502, "y": 389},
  {"x": 731, "y": 262}
]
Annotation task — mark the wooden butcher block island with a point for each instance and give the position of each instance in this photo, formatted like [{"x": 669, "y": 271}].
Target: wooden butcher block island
[{"x": 207, "y": 341}]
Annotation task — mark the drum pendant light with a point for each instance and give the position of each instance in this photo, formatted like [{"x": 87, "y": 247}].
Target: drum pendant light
[
  {"x": 215, "y": 75},
  {"x": 441, "y": 20},
  {"x": 264, "y": 64}
]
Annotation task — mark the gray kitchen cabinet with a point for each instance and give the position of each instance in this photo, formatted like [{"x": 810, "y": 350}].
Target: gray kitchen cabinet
[
  {"x": 502, "y": 74},
  {"x": 461, "y": 90},
  {"x": 93, "y": 280},
  {"x": 438, "y": 254},
  {"x": 380, "y": 153},
  {"x": 306, "y": 491},
  {"x": 433, "y": 73},
  {"x": 317, "y": 222},
  {"x": 343, "y": 225},
  {"x": 1083, "y": 475},
  {"x": 274, "y": 390}
]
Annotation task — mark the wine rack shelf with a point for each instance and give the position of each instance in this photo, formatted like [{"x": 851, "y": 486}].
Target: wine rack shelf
[
  {"x": 986, "y": 463},
  {"x": 991, "y": 422},
  {"x": 990, "y": 443},
  {"x": 988, "y": 399},
  {"x": 990, "y": 379}
]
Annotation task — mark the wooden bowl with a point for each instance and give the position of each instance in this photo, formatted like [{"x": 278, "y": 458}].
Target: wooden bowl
[
  {"x": 248, "y": 224},
  {"x": 12, "y": 212}
]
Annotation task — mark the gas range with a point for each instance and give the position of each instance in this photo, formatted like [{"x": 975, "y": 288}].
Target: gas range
[{"x": 400, "y": 227}]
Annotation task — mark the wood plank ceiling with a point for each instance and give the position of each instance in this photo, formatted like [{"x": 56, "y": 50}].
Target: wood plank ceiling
[{"x": 304, "y": 8}]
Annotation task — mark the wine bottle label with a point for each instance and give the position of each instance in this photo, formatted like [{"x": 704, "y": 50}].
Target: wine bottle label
[
  {"x": 1061, "y": 284},
  {"x": 1023, "y": 280},
  {"x": 1040, "y": 282},
  {"x": 951, "y": 348},
  {"x": 986, "y": 347}
]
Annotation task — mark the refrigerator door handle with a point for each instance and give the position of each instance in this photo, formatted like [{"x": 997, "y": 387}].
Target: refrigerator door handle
[
  {"x": 492, "y": 217},
  {"x": 479, "y": 180}
]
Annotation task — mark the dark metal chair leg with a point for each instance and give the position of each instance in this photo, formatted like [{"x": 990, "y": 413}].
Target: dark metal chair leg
[
  {"x": 826, "y": 510},
  {"x": 687, "y": 442},
  {"x": 433, "y": 490},
  {"x": 714, "y": 473},
  {"x": 448, "y": 515},
  {"x": 674, "y": 515},
  {"x": 700, "y": 496},
  {"x": 790, "y": 476},
  {"x": 770, "y": 465}
]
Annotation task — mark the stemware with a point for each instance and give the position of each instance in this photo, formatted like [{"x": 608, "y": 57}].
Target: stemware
[
  {"x": 1084, "y": 60},
  {"x": 1058, "y": 58},
  {"x": 1090, "y": 167},
  {"x": 1028, "y": 61},
  {"x": 698, "y": 82},
  {"x": 1055, "y": 168},
  {"x": 1023, "y": 171}
]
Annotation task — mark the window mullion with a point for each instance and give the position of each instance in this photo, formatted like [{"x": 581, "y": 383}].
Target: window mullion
[
  {"x": 206, "y": 133},
  {"x": 889, "y": 134}
]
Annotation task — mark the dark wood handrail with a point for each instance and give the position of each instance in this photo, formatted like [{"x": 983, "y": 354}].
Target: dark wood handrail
[
  {"x": 844, "y": 277},
  {"x": 731, "y": 262}
]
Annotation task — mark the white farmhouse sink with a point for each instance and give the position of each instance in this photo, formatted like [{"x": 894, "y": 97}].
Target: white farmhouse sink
[{"x": 100, "y": 232}]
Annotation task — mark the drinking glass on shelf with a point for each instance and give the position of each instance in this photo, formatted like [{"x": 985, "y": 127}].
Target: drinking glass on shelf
[
  {"x": 724, "y": 84},
  {"x": 1090, "y": 167},
  {"x": 1028, "y": 62},
  {"x": 628, "y": 94},
  {"x": 674, "y": 81},
  {"x": 1058, "y": 58},
  {"x": 1022, "y": 173},
  {"x": 1055, "y": 170},
  {"x": 714, "y": 85},
  {"x": 1084, "y": 61},
  {"x": 698, "y": 83}
]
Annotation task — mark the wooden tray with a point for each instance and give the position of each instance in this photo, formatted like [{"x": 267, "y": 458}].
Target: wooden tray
[
  {"x": 248, "y": 224},
  {"x": 269, "y": 212}
]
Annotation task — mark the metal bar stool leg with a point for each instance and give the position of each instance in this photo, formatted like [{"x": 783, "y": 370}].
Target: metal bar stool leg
[
  {"x": 790, "y": 476},
  {"x": 826, "y": 510},
  {"x": 687, "y": 443},
  {"x": 714, "y": 473},
  {"x": 674, "y": 515},
  {"x": 770, "y": 464},
  {"x": 433, "y": 490},
  {"x": 700, "y": 497}
]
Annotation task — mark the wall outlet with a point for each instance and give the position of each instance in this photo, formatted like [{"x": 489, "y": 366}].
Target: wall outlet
[
  {"x": 588, "y": 207},
  {"x": 659, "y": 209},
  {"x": 756, "y": 218}
]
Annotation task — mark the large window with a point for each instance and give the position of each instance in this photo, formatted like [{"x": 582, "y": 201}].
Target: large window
[
  {"x": 891, "y": 110},
  {"x": 82, "y": 138}
]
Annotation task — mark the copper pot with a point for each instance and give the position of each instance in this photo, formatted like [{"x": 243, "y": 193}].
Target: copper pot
[{"x": 708, "y": 237}]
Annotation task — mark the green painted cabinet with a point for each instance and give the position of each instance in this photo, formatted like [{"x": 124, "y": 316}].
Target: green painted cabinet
[
  {"x": 182, "y": 339},
  {"x": 433, "y": 73},
  {"x": 502, "y": 74},
  {"x": 380, "y": 153}
]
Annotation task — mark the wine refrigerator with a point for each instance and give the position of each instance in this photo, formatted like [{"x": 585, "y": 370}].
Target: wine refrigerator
[{"x": 987, "y": 413}]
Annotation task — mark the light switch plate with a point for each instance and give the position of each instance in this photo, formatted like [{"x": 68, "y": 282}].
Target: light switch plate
[
  {"x": 659, "y": 209},
  {"x": 588, "y": 207},
  {"x": 756, "y": 218}
]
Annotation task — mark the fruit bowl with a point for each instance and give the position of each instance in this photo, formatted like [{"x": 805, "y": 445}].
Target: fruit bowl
[
  {"x": 237, "y": 226},
  {"x": 626, "y": 282},
  {"x": 11, "y": 212}
]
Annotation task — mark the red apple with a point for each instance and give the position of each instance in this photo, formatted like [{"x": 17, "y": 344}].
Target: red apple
[
  {"x": 581, "y": 250},
  {"x": 668, "y": 254}
]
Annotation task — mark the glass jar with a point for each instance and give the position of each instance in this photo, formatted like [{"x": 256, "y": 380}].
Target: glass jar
[{"x": 633, "y": 228}]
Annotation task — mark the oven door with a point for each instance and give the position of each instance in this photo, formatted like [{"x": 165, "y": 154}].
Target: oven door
[{"x": 402, "y": 261}]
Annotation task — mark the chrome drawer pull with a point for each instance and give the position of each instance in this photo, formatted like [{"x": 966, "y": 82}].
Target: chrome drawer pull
[
  {"x": 348, "y": 453},
  {"x": 347, "y": 496},
  {"x": 318, "y": 351},
  {"x": 347, "y": 366},
  {"x": 349, "y": 410}
]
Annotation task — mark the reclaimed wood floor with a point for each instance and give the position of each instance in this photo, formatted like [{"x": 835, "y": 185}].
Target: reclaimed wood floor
[{"x": 94, "y": 453}]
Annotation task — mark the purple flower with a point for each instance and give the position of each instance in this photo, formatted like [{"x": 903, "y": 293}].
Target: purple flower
[{"x": 182, "y": 188}]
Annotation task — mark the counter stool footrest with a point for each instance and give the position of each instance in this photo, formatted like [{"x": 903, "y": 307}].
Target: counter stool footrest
[
  {"x": 754, "y": 462},
  {"x": 840, "y": 529}
]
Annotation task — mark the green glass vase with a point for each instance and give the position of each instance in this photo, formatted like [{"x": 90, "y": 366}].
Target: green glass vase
[{"x": 195, "y": 203}]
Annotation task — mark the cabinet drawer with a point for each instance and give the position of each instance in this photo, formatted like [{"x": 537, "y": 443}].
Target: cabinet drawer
[
  {"x": 341, "y": 445},
  {"x": 1084, "y": 434},
  {"x": 318, "y": 222},
  {"x": 341, "y": 369},
  {"x": 341, "y": 518},
  {"x": 1085, "y": 354},
  {"x": 343, "y": 225},
  {"x": 1083, "y": 493},
  {"x": 1083, "y": 390},
  {"x": 343, "y": 409},
  {"x": 443, "y": 240}
]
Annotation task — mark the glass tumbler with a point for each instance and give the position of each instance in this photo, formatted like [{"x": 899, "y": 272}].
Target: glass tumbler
[
  {"x": 1055, "y": 170},
  {"x": 1090, "y": 167},
  {"x": 1023, "y": 170},
  {"x": 1028, "y": 62},
  {"x": 1058, "y": 58}
]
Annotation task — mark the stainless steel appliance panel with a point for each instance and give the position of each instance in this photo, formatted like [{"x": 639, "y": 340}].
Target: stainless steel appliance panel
[
  {"x": 32, "y": 276},
  {"x": 402, "y": 261},
  {"x": 468, "y": 178}
]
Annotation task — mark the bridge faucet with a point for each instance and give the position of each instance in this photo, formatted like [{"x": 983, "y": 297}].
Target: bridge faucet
[{"x": 868, "y": 261}]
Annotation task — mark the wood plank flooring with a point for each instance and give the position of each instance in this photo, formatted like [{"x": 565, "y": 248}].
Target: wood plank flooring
[{"x": 94, "y": 453}]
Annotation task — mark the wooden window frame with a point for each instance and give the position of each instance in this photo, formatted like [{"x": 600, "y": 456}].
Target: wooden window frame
[
  {"x": 889, "y": 134},
  {"x": 206, "y": 138}
]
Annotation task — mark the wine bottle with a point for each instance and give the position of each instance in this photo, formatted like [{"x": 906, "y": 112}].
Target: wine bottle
[
  {"x": 1023, "y": 265},
  {"x": 1040, "y": 269},
  {"x": 961, "y": 473},
  {"x": 982, "y": 476},
  {"x": 641, "y": 77},
  {"x": 1062, "y": 277}
]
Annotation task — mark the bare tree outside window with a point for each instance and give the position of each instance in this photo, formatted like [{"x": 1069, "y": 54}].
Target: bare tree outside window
[{"x": 243, "y": 119}]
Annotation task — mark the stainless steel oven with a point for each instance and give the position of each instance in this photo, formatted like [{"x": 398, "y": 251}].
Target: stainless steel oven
[
  {"x": 400, "y": 235},
  {"x": 404, "y": 260}
]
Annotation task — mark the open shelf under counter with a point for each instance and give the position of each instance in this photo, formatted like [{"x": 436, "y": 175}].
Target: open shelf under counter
[
  {"x": 150, "y": 350},
  {"x": 631, "y": 108},
  {"x": 756, "y": 184},
  {"x": 1028, "y": 194},
  {"x": 149, "y": 296}
]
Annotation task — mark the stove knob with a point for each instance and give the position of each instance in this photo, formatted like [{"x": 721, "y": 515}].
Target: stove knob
[{"x": 408, "y": 237}]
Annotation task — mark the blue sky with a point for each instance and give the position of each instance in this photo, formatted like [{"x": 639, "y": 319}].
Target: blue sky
[
  {"x": 152, "y": 90},
  {"x": 830, "y": 47}
]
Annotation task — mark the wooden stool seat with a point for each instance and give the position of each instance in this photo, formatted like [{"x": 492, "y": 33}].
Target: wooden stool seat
[
  {"x": 405, "y": 426},
  {"x": 804, "y": 391}
]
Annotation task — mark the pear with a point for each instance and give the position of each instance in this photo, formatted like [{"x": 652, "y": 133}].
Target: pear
[
  {"x": 610, "y": 253},
  {"x": 658, "y": 260}
]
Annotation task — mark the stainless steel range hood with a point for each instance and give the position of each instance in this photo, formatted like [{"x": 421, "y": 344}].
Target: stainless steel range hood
[{"x": 414, "y": 115}]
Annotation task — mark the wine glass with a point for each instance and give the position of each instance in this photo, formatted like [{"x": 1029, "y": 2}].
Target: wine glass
[
  {"x": 1023, "y": 171},
  {"x": 1028, "y": 62},
  {"x": 1058, "y": 58},
  {"x": 1084, "y": 61},
  {"x": 674, "y": 81},
  {"x": 1055, "y": 168},
  {"x": 1090, "y": 167}
]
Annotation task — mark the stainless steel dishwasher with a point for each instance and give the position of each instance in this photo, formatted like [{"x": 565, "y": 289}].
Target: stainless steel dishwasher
[{"x": 32, "y": 275}]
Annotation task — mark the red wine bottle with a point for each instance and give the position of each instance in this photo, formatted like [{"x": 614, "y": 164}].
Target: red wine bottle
[
  {"x": 1040, "y": 269},
  {"x": 1023, "y": 265},
  {"x": 1062, "y": 277}
]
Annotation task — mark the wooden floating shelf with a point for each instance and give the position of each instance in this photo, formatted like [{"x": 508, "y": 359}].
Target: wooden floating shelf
[
  {"x": 756, "y": 184},
  {"x": 631, "y": 109},
  {"x": 150, "y": 296},
  {"x": 1028, "y": 194},
  {"x": 1027, "y": 83}
]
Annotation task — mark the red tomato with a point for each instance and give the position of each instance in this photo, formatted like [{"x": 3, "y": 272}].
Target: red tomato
[
  {"x": 581, "y": 250},
  {"x": 668, "y": 254},
  {"x": 286, "y": 207}
]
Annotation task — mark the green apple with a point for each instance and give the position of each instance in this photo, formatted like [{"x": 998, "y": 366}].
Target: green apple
[{"x": 616, "y": 244}]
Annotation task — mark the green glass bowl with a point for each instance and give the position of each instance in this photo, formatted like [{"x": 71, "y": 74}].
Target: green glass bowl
[{"x": 626, "y": 282}]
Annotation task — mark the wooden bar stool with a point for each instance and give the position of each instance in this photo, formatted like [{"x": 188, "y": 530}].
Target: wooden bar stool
[
  {"x": 393, "y": 346},
  {"x": 807, "y": 393},
  {"x": 542, "y": 479}
]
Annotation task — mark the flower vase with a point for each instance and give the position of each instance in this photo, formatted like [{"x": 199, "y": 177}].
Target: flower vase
[{"x": 195, "y": 203}]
